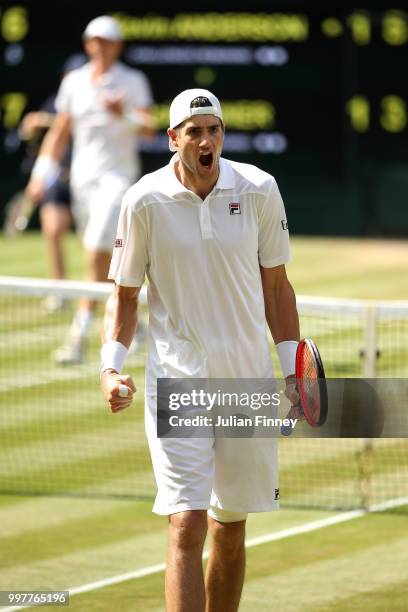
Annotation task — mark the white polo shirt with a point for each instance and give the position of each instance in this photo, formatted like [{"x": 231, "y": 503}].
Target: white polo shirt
[
  {"x": 102, "y": 142},
  {"x": 206, "y": 307}
]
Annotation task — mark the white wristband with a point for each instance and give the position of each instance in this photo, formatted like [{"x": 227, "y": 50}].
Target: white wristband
[
  {"x": 113, "y": 355},
  {"x": 46, "y": 169},
  {"x": 287, "y": 356}
]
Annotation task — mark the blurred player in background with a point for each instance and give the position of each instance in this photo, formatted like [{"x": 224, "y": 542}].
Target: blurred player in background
[
  {"x": 55, "y": 207},
  {"x": 104, "y": 105},
  {"x": 212, "y": 237}
]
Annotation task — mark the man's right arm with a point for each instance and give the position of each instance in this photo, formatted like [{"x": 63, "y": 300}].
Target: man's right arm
[
  {"x": 46, "y": 168},
  {"x": 120, "y": 324}
]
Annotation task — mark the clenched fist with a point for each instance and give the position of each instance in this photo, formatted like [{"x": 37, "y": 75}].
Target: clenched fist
[{"x": 118, "y": 389}]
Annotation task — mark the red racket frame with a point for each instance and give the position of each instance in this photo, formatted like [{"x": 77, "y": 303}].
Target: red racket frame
[{"x": 308, "y": 344}]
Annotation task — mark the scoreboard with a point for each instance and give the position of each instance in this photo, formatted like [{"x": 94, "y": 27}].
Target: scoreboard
[{"x": 315, "y": 95}]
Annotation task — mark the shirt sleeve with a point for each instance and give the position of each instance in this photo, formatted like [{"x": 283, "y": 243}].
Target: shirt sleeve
[
  {"x": 49, "y": 105},
  {"x": 63, "y": 99},
  {"x": 273, "y": 233},
  {"x": 140, "y": 90},
  {"x": 130, "y": 253}
]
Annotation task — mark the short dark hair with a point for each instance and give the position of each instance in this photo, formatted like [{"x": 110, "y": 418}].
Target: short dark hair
[{"x": 200, "y": 102}]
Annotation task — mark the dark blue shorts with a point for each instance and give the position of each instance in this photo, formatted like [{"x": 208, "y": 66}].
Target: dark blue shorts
[{"x": 58, "y": 194}]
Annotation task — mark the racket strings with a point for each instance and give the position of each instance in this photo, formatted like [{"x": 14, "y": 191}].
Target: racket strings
[{"x": 309, "y": 383}]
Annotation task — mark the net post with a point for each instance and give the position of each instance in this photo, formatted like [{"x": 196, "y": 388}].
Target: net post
[
  {"x": 364, "y": 457},
  {"x": 370, "y": 341}
]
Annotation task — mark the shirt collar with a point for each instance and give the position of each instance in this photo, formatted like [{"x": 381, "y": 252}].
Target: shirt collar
[
  {"x": 104, "y": 79},
  {"x": 226, "y": 178},
  {"x": 174, "y": 186}
]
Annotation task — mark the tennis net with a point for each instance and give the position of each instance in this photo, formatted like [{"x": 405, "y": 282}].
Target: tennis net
[{"x": 59, "y": 438}]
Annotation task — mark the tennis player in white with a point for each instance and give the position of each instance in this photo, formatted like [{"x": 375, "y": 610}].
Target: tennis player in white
[
  {"x": 103, "y": 105},
  {"x": 211, "y": 236}
]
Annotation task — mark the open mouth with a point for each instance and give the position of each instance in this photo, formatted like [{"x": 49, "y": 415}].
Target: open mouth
[{"x": 206, "y": 160}]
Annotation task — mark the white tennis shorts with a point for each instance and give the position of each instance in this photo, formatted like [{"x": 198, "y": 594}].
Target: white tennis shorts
[
  {"x": 231, "y": 474},
  {"x": 96, "y": 207}
]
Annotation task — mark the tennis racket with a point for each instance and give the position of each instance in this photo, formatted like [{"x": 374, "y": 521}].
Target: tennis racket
[
  {"x": 311, "y": 385},
  {"x": 18, "y": 212}
]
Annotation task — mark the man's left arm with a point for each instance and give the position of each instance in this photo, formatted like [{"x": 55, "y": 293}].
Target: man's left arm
[
  {"x": 283, "y": 321},
  {"x": 280, "y": 305},
  {"x": 142, "y": 106},
  {"x": 146, "y": 123},
  {"x": 139, "y": 119},
  {"x": 134, "y": 104}
]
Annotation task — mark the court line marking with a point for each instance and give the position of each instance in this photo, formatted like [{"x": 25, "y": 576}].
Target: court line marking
[
  {"x": 342, "y": 517},
  {"x": 61, "y": 374}
]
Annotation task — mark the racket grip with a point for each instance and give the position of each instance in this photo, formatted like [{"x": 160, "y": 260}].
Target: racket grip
[
  {"x": 287, "y": 430},
  {"x": 123, "y": 391}
]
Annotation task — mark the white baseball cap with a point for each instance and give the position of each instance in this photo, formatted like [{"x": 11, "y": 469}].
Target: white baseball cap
[
  {"x": 103, "y": 27},
  {"x": 193, "y": 102}
]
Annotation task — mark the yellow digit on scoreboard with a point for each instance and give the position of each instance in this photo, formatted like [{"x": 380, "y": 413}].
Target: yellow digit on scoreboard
[
  {"x": 394, "y": 114},
  {"x": 395, "y": 28},
  {"x": 358, "y": 109},
  {"x": 360, "y": 25},
  {"x": 14, "y": 24},
  {"x": 12, "y": 105}
]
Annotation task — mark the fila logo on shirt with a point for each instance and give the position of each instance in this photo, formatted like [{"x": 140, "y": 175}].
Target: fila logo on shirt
[
  {"x": 284, "y": 224},
  {"x": 235, "y": 208},
  {"x": 118, "y": 242}
]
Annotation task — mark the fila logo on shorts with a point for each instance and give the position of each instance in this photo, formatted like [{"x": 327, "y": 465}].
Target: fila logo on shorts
[
  {"x": 235, "y": 208},
  {"x": 284, "y": 224},
  {"x": 276, "y": 494}
]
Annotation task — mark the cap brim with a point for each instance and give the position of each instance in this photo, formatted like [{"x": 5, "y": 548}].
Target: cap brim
[{"x": 86, "y": 36}]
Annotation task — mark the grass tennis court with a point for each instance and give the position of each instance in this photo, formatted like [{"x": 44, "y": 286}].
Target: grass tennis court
[
  {"x": 335, "y": 267},
  {"x": 55, "y": 542},
  {"x": 49, "y": 543}
]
